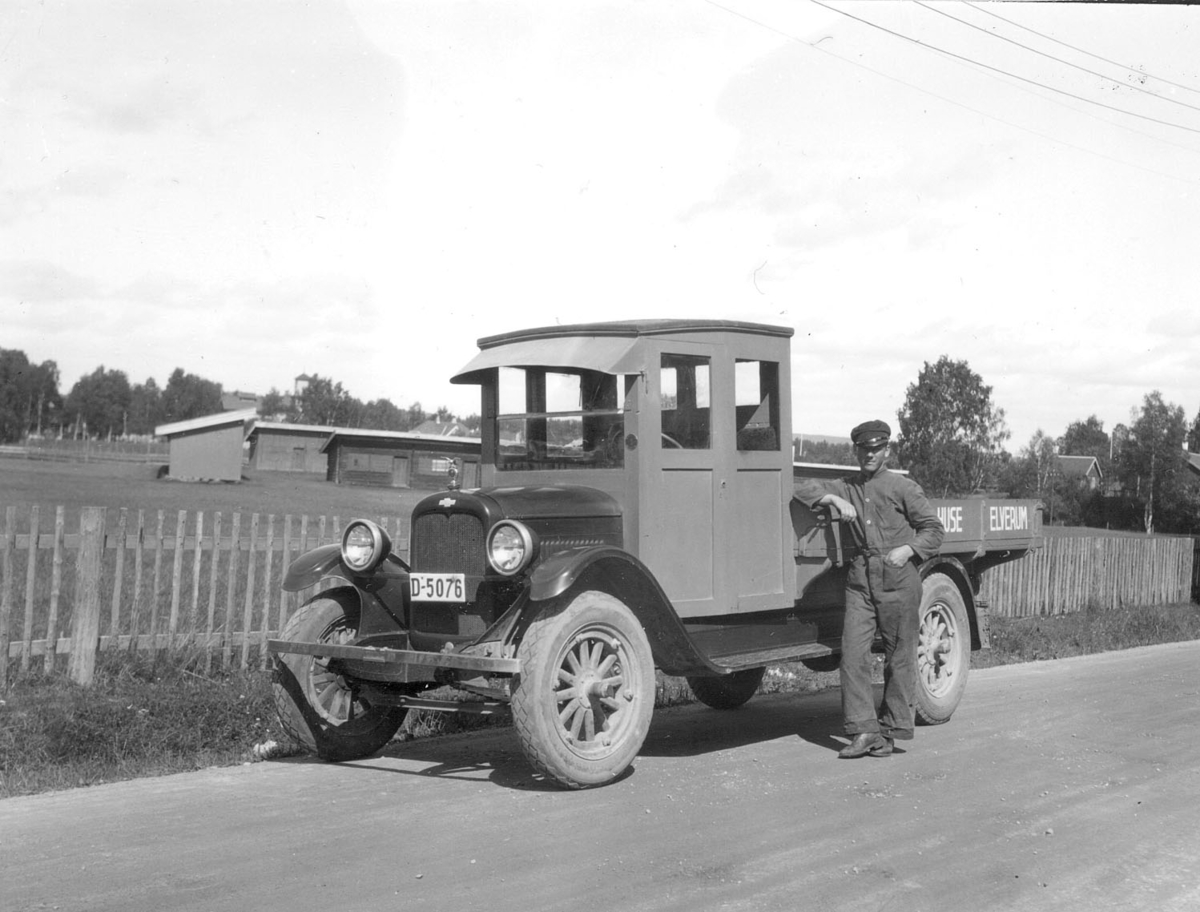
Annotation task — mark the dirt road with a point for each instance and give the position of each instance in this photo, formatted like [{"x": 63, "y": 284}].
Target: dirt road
[{"x": 1062, "y": 785}]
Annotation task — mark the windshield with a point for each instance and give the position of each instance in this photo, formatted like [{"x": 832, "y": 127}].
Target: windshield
[{"x": 559, "y": 419}]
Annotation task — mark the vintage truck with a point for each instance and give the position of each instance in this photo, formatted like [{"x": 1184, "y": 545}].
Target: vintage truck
[{"x": 636, "y": 513}]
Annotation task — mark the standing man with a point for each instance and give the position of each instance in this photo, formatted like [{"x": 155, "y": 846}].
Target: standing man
[{"x": 894, "y": 528}]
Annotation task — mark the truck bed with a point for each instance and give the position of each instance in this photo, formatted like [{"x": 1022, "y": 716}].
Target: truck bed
[{"x": 976, "y": 527}]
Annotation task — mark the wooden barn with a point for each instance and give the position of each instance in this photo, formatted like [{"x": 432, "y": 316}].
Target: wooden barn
[
  {"x": 208, "y": 448},
  {"x": 400, "y": 459},
  {"x": 279, "y": 447}
]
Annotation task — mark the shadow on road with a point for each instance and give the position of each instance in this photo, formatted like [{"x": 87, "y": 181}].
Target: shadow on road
[
  {"x": 493, "y": 755},
  {"x": 693, "y": 730}
]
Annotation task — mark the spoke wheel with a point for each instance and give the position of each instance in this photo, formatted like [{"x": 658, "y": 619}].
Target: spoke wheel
[
  {"x": 585, "y": 694},
  {"x": 943, "y": 650},
  {"x": 319, "y": 708}
]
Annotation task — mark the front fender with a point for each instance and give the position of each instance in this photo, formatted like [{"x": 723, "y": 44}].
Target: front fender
[
  {"x": 620, "y": 574},
  {"x": 311, "y": 567},
  {"x": 555, "y": 575}
]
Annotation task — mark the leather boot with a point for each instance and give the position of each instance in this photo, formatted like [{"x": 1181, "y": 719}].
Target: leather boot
[
  {"x": 883, "y": 750},
  {"x": 866, "y": 743}
]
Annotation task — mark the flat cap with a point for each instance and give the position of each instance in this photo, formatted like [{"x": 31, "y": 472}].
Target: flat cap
[{"x": 871, "y": 434}]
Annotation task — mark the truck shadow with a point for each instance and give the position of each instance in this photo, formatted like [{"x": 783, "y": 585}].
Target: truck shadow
[
  {"x": 494, "y": 756},
  {"x": 693, "y": 730}
]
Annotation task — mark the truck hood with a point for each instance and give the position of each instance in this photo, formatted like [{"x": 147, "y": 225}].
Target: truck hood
[{"x": 551, "y": 501}]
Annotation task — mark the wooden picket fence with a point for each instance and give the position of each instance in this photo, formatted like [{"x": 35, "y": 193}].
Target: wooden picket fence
[
  {"x": 1102, "y": 571},
  {"x": 208, "y": 587}
]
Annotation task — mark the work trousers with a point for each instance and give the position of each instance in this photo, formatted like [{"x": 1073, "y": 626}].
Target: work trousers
[{"x": 896, "y": 615}]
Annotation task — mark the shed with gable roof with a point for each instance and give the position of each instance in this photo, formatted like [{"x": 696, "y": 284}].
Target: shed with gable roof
[{"x": 208, "y": 448}]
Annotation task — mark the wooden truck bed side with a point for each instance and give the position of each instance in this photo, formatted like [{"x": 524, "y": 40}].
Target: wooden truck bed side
[
  {"x": 979, "y": 525},
  {"x": 979, "y": 530}
]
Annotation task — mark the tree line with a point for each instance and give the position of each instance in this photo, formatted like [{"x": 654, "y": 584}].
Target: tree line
[
  {"x": 325, "y": 402},
  {"x": 104, "y": 404},
  {"x": 951, "y": 439}
]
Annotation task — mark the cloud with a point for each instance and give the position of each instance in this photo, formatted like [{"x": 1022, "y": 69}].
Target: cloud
[
  {"x": 41, "y": 282},
  {"x": 1176, "y": 325}
]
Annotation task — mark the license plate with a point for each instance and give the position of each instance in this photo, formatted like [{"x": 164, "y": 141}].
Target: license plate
[{"x": 438, "y": 587}]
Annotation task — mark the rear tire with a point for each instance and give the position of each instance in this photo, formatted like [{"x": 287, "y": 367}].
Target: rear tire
[
  {"x": 728, "y": 691},
  {"x": 585, "y": 694},
  {"x": 823, "y": 664},
  {"x": 943, "y": 650},
  {"x": 316, "y": 707}
]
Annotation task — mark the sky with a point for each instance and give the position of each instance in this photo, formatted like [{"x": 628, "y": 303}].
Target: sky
[{"x": 254, "y": 190}]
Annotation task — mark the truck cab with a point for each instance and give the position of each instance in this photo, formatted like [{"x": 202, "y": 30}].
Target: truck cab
[
  {"x": 686, "y": 425},
  {"x": 635, "y": 514}
]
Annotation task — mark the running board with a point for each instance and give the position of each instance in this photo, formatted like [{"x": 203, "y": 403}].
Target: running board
[{"x": 764, "y": 657}]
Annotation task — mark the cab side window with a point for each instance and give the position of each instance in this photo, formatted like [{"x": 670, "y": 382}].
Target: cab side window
[
  {"x": 756, "y": 399},
  {"x": 685, "y": 386}
]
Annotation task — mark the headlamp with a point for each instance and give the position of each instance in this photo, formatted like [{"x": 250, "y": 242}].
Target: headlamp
[
  {"x": 510, "y": 547},
  {"x": 364, "y": 546}
]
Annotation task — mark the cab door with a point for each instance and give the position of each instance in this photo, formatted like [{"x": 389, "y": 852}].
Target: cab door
[
  {"x": 763, "y": 562},
  {"x": 683, "y": 483},
  {"x": 715, "y": 477}
]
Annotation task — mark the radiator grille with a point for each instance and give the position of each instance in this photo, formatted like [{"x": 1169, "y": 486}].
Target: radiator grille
[{"x": 448, "y": 544}]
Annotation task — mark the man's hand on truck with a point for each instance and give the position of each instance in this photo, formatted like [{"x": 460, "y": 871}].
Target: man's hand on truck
[{"x": 845, "y": 509}]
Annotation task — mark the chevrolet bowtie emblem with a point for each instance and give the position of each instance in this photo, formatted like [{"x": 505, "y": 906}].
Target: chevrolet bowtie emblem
[{"x": 447, "y": 502}]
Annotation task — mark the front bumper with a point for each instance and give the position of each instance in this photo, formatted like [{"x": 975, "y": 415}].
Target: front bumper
[{"x": 401, "y": 657}]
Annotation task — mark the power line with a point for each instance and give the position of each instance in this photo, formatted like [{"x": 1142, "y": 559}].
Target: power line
[
  {"x": 1076, "y": 66},
  {"x": 1120, "y": 126},
  {"x": 940, "y": 50},
  {"x": 1080, "y": 50},
  {"x": 862, "y": 66}
]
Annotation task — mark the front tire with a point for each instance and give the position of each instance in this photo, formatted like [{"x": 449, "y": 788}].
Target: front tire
[
  {"x": 316, "y": 707},
  {"x": 585, "y": 694},
  {"x": 943, "y": 650},
  {"x": 728, "y": 691}
]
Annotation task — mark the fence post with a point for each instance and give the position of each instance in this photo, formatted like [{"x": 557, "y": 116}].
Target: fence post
[
  {"x": 176, "y": 583},
  {"x": 85, "y": 616},
  {"x": 6, "y": 606},
  {"x": 30, "y": 587},
  {"x": 114, "y": 621},
  {"x": 248, "y": 610},
  {"x": 56, "y": 563}
]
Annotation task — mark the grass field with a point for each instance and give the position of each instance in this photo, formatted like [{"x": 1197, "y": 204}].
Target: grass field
[{"x": 24, "y": 483}]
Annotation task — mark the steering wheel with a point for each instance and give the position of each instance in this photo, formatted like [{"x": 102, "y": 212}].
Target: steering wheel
[
  {"x": 672, "y": 442},
  {"x": 614, "y": 443}
]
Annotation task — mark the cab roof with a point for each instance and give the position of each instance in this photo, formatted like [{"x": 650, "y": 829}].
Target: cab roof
[{"x": 612, "y": 348}]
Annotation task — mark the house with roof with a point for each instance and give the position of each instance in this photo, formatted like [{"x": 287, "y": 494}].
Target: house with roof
[
  {"x": 276, "y": 446},
  {"x": 237, "y": 400},
  {"x": 401, "y": 459},
  {"x": 208, "y": 448},
  {"x": 1085, "y": 469},
  {"x": 435, "y": 428}
]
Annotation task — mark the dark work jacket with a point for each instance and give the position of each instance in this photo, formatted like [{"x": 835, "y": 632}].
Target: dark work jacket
[{"x": 892, "y": 511}]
